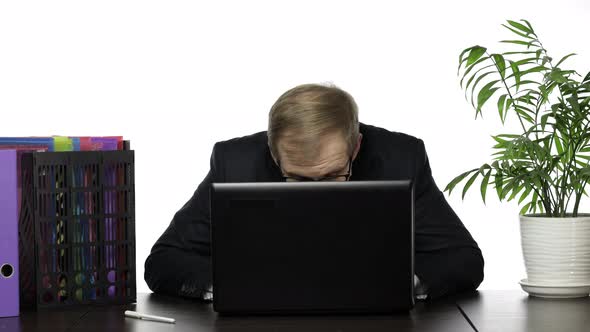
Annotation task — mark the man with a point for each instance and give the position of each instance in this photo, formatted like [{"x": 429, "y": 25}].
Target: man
[{"x": 314, "y": 134}]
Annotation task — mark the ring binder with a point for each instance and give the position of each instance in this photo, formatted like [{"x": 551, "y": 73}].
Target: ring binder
[{"x": 9, "y": 273}]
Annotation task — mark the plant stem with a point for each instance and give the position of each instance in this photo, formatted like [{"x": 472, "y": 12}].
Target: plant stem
[
  {"x": 547, "y": 205},
  {"x": 579, "y": 197},
  {"x": 561, "y": 197}
]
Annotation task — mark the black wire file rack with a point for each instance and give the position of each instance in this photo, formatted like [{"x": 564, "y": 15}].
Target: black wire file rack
[{"x": 77, "y": 228}]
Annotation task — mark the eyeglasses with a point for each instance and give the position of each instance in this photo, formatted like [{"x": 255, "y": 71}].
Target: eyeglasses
[{"x": 338, "y": 177}]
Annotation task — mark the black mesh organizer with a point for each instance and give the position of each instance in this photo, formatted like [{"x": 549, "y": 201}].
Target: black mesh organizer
[{"x": 77, "y": 228}]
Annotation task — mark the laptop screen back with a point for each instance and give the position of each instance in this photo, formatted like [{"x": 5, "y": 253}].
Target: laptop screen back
[{"x": 312, "y": 247}]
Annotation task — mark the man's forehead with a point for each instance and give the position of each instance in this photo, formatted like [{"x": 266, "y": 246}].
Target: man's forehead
[
  {"x": 324, "y": 161},
  {"x": 315, "y": 169},
  {"x": 323, "y": 150},
  {"x": 320, "y": 161}
]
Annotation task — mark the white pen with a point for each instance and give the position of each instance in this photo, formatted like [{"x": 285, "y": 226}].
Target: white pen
[{"x": 135, "y": 314}]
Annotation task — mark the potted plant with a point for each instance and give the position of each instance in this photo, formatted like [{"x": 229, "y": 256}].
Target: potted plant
[{"x": 546, "y": 166}]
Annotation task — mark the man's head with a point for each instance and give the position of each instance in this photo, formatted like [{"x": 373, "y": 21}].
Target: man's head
[{"x": 313, "y": 131}]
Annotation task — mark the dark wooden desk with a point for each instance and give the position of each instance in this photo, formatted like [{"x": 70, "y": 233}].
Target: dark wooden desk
[
  {"x": 509, "y": 311},
  {"x": 195, "y": 316},
  {"x": 504, "y": 311},
  {"x": 48, "y": 320}
]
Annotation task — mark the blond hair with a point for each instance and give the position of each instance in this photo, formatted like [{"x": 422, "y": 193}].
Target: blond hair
[{"x": 307, "y": 112}]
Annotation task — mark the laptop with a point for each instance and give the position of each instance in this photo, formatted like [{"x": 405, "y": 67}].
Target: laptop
[{"x": 312, "y": 247}]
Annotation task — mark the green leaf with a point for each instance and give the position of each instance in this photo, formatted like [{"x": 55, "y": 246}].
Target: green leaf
[
  {"x": 519, "y": 52},
  {"x": 529, "y": 98},
  {"x": 517, "y": 32},
  {"x": 498, "y": 182},
  {"x": 485, "y": 93},
  {"x": 515, "y": 73},
  {"x": 574, "y": 104},
  {"x": 558, "y": 145},
  {"x": 474, "y": 55},
  {"x": 509, "y": 103},
  {"x": 481, "y": 77},
  {"x": 483, "y": 100},
  {"x": 484, "y": 185},
  {"x": 501, "y": 142},
  {"x": 520, "y": 27},
  {"x": 469, "y": 183},
  {"x": 544, "y": 120},
  {"x": 515, "y": 191},
  {"x": 506, "y": 189},
  {"x": 521, "y": 111},
  {"x": 534, "y": 202},
  {"x": 483, "y": 168},
  {"x": 520, "y": 108},
  {"x": 544, "y": 92},
  {"x": 465, "y": 51},
  {"x": 498, "y": 153},
  {"x": 470, "y": 68},
  {"x": 564, "y": 58},
  {"x": 557, "y": 76},
  {"x": 529, "y": 26},
  {"x": 525, "y": 208},
  {"x": 524, "y": 83},
  {"x": 500, "y": 64},
  {"x": 518, "y": 42},
  {"x": 585, "y": 171},
  {"x": 531, "y": 94},
  {"x": 533, "y": 70},
  {"x": 526, "y": 193},
  {"x": 509, "y": 135},
  {"x": 458, "y": 179},
  {"x": 526, "y": 61},
  {"x": 501, "y": 106},
  {"x": 464, "y": 59}
]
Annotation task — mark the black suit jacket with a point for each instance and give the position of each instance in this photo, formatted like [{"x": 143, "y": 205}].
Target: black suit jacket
[{"x": 447, "y": 258}]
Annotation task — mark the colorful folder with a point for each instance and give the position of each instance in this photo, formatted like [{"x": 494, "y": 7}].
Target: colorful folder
[{"x": 9, "y": 276}]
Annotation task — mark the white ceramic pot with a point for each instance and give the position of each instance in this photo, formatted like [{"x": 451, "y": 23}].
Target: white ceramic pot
[{"x": 556, "y": 250}]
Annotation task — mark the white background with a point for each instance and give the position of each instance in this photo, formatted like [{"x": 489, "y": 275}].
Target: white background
[{"x": 176, "y": 76}]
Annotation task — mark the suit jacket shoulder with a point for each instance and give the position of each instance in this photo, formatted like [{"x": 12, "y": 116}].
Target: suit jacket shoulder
[
  {"x": 245, "y": 159},
  {"x": 388, "y": 155}
]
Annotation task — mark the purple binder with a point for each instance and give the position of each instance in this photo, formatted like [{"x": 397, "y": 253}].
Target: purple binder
[{"x": 9, "y": 301}]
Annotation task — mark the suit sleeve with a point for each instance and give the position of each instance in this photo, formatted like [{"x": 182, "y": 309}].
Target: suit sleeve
[
  {"x": 447, "y": 259},
  {"x": 180, "y": 260}
]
